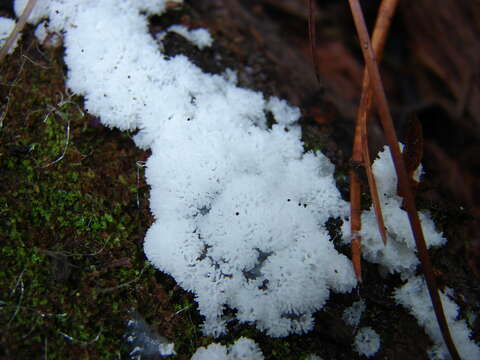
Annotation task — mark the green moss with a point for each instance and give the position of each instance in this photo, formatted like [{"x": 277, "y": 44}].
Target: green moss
[
  {"x": 71, "y": 228},
  {"x": 73, "y": 214}
]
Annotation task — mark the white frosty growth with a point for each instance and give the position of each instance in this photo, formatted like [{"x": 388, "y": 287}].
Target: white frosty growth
[
  {"x": 399, "y": 255},
  {"x": 353, "y": 314},
  {"x": 367, "y": 342},
  {"x": 414, "y": 296},
  {"x": 6, "y": 27},
  {"x": 200, "y": 37},
  {"x": 145, "y": 340},
  {"x": 46, "y": 37},
  {"x": 239, "y": 209},
  {"x": 41, "y": 31},
  {"x": 242, "y": 349}
]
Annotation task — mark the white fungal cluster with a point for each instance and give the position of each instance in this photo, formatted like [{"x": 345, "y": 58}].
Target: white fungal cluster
[
  {"x": 399, "y": 255},
  {"x": 367, "y": 342},
  {"x": 242, "y": 349},
  {"x": 414, "y": 296},
  {"x": 240, "y": 209}
]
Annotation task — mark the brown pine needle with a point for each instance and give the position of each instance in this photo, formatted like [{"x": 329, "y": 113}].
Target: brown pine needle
[
  {"x": 17, "y": 29},
  {"x": 361, "y": 154},
  {"x": 387, "y": 124},
  {"x": 379, "y": 37},
  {"x": 373, "y": 185},
  {"x": 355, "y": 224}
]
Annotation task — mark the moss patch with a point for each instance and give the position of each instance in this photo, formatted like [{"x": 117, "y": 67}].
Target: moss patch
[{"x": 73, "y": 214}]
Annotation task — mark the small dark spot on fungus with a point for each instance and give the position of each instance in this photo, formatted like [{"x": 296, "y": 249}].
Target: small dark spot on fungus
[
  {"x": 237, "y": 213},
  {"x": 289, "y": 200},
  {"x": 304, "y": 205},
  {"x": 129, "y": 76},
  {"x": 299, "y": 204},
  {"x": 336, "y": 271}
]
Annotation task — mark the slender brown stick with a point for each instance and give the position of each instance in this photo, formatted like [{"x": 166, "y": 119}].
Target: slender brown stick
[
  {"x": 360, "y": 153},
  {"x": 387, "y": 124},
  {"x": 16, "y": 30},
  {"x": 379, "y": 37},
  {"x": 355, "y": 221}
]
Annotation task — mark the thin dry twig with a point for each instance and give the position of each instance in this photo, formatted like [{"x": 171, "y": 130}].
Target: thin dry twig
[
  {"x": 409, "y": 203},
  {"x": 379, "y": 37},
  {"x": 360, "y": 153},
  {"x": 140, "y": 164},
  {"x": 67, "y": 136},
  {"x": 72, "y": 339},
  {"x": 20, "y": 300},
  {"x": 121, "y": 286},
  {"x": 355, "y": 220},
  {"x": 17, "y": 29},
  {"x": 56, "y": 254},
  {"x": 11, "y": 86}
]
